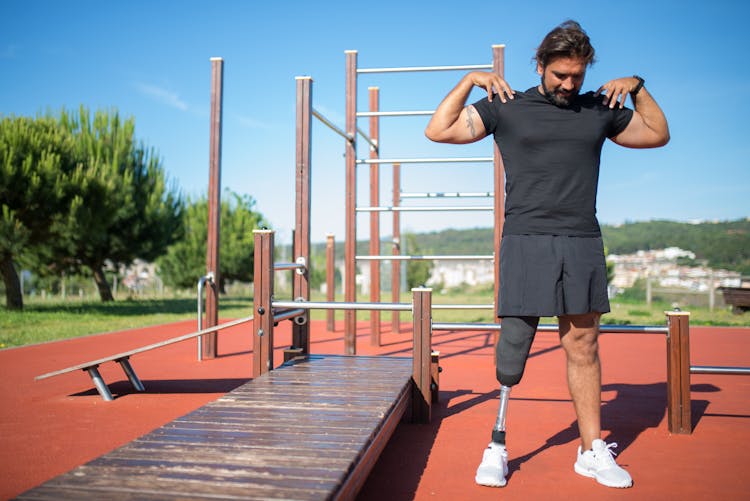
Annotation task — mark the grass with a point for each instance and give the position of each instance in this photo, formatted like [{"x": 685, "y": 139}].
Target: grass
[{"x": 47, "y": 320}]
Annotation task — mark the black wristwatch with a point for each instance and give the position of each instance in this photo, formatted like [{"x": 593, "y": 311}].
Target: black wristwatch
[{"x": 638, "y": 87}]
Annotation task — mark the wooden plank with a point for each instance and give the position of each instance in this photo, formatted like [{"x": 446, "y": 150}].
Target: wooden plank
[{"x": 312, "y": 429}]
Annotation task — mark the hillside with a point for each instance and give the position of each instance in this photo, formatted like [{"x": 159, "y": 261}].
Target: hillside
[{"x": 724, "y": 244}]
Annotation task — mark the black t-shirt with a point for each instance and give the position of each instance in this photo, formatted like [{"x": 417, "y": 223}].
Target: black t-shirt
[{"x": 551, "y": 156}]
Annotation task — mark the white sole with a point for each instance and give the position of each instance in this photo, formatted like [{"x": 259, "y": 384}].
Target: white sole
[
  {"x": 490, "y": 482},
  {"x": 590, "y": 474}
]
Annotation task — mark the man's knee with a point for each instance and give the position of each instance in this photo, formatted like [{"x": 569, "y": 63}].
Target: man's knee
[
  {"x": 513, "y": 348},
  {"x": 579, "y": 336}
]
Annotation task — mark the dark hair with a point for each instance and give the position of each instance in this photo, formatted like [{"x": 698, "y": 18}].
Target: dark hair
[{"x": 567, "y": 40}]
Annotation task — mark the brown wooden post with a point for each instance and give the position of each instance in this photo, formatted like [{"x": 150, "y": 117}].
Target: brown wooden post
[
  {"x": 330, "y": 280},
  {"x": 678, "y": 373},
  {"x": 396, "y": 251},
  {"x": 262, "y": 294},
  {"x": 300, "y": 282},
  {"x": 374, "y": 218},
  {"x": 210, "y": 341},
  {"x": 350, "y": 240},
  {"x": 498, "y": 66},
  {"x": 422, "y": 356}
]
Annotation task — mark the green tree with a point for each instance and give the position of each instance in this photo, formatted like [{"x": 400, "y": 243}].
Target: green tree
[
  {"x": 185, "y": 260},
  {"x": 121, "y": 205},
  {"x": 36, "y": 166},
  {"x": 417, "y": 272}
]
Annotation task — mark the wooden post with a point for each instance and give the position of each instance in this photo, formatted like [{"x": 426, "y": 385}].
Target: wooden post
[
  {"x": 350, "y": 240},
  {"x": 210, "y": 341},
  {"x": 374, "y": 219},
  {"x": 396, "y": 251},
  {"x": 330, "y": 280},
  {"x": 678, "y": 373},
  {"x": 498, "y": 66},
  {"x": 262, "y": 294},
  {"x": 422, "y": 361},
  {"x": 300, "y": 282}
]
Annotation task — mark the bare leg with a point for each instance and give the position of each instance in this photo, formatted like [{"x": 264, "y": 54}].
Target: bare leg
[{"x": 579, "y": 338}]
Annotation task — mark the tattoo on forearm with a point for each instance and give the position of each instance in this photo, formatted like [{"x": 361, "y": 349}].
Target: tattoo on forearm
[{"x": 470, "y": 121}]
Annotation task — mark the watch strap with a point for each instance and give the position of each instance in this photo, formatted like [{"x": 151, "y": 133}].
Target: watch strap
[{"x": 638, "y": 87}]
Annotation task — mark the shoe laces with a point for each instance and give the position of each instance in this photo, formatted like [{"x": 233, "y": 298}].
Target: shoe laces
[
  {"x": 494, "y": 453},
  {"x": 606, "y": 454}
]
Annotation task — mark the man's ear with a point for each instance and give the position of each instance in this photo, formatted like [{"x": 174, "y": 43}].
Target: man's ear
[{"x": 539, "y": 68}]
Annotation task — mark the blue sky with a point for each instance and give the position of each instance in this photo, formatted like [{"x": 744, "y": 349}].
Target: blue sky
[{"x": 151, "y": 60}]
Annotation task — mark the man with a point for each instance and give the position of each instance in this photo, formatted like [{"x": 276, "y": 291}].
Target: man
[{"x": 551, "y": 257}]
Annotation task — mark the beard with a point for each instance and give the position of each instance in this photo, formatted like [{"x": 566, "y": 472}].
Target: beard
[{"x": 557, "y": 96}]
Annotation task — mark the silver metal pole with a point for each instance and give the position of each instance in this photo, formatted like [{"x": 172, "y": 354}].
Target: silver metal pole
[
  {"x": 312, "y": 305},
  {"x": 426, "y": 258},
  {"x": 454, "y": 208},
  {"x": 101, "y": 386},
  {"x": 619, "y": 329},
  {"x": 201, "y": 284},
  {"x": 288, "y": 266},
  {"x": 373, "y": 144},
  {"x": 406, "y": 69},
  {"x": 464, "y": 327},
  {"x": 707, "y": 369},
  {"x": 395, "y": 113},
  {"x": 422, "y": 160},
  {"x": 331, "y": 126},
  {"x": 633, "y": 329},
  {"x": 287, "y": 314},
  {"x": 616, "y": 329},
  {"x": 462, "y": 306},
  {"x": 130, "y": 373},
  {"x": 449, "y": 194}
]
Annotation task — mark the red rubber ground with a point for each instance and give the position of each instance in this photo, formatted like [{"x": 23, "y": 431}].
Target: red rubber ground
[{"x": 48, "y": 427}]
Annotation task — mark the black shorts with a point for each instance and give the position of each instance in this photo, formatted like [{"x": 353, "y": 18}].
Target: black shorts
[{"x": 551, "y": 275}]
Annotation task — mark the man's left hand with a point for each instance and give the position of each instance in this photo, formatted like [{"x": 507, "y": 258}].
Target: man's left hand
[{"x": 616, "y": 91}]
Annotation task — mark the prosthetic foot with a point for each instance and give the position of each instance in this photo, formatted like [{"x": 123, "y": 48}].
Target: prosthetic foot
[{"x": 494, "y": 466}]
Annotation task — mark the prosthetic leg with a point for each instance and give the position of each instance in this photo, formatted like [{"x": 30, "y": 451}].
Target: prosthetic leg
[{"x": 511, "y": 353}]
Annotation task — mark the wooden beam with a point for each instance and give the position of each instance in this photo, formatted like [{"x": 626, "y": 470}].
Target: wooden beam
[
  {"x": 678, "y": 373},
  {"x": 262, "y": 293},
  {"x": 422, "y": 361}
]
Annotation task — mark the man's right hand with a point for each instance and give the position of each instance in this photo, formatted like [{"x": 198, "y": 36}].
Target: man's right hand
[
  {"x": 453, "y": 121},
  {"x": 492, "y": 83}
]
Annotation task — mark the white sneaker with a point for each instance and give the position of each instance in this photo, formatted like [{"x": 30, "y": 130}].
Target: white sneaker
[
  {"x": 494, "y": 466},
  {"x": 599, "y": 463}
]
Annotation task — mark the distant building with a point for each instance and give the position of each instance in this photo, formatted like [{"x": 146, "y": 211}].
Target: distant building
[{"x": 661, "y": 265}]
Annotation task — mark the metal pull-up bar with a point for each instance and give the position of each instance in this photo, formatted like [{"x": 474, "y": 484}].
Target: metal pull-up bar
[
  {"x": 452, "y": 208},
  {"x": 422, "y": 160},
  {"x": 375, "y": 208},
  {"x": 433, "y": 194},
  {"x": 487, "y": 257},
  {"x": 412, "y": 69},
  {"x": 394, "y": 113}
]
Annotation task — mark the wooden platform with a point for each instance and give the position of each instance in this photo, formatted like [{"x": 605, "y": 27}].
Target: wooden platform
[{"x": 311, "y": 429}]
